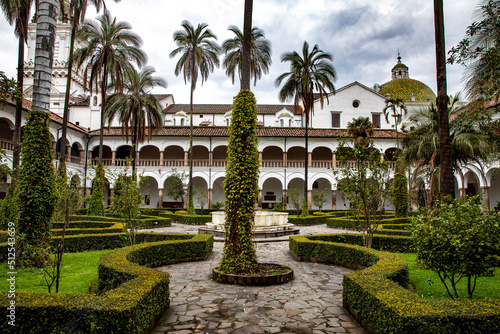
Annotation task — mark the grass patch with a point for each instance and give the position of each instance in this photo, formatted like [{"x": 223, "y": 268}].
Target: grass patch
[
  {"x": 79, "y": 272},
  {"x": 427, "y": 284}
]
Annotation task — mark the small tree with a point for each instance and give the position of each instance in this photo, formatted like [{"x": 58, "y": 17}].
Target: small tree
[
  {"x": 319, "y": 199},
  {"x": 37, "y": 195},
  {"x": 96, "y": 199},
  {"x": 175, "y": 185},
  {"x": 365, "y": 184},
  {"x": 294, "y": 200},
  {"x": 201, "y": 197},
  {"x": 126, "y": 201},
  {"x": 458, "y": 239},
  {"x": 69, "y": 200}
]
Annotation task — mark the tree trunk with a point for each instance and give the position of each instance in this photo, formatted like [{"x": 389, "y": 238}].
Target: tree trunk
[
  {"x": 68, "y": 88},
  {"x": 247, "y": 45},
  {"x": 19, "y": 113},
  {"x": 190, "y": 207},
  {"x": 134, "y": 146},
  {"x": 44, "y": 54},
  {"x": 104, "y": 85},
  {"x": 446, "y": 167},
  {"x": 305, "y": 206}
]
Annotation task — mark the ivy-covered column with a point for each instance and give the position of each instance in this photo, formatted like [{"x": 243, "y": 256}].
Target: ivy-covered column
[{"x": 241, "y": 187}]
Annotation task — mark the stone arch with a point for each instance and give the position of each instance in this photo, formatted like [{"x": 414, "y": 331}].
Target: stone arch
[
  {"x": 149, "y": 192},
  {"x": 272, "y": 156},
  {"x": 472, "y": 185},
  {"x": 173, "y": 156},
  {"x": 218, "y": 190},
  {"x": 272, "y": 192},
  {"x": 200, "y": 183},
  {"x": 322, "y": 184},
  {"x": 493, "y": 176},
  {"x": 201, "y": 156}
]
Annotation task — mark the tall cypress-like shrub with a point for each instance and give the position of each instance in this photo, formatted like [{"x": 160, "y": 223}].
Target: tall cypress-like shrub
[
  {"x": 241, "y": 186},
  {"x": 96, "y": 199},
  {"x": 37, "y": 193},
  {"x": 400, "y": 191}
]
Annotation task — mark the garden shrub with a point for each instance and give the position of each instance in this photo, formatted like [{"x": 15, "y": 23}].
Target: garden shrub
[
  {"x": 376, "y": 296},
  {"x": 400, "y": 191},
  {"x": 458, "y": 240},
  {"x": 96, "y": 199},
  {"x": 139, "y": 297},
  {"x": 9, "y": 210},
  {"x": 305, "y": 221},
  {"x": 189, "y": 219}
]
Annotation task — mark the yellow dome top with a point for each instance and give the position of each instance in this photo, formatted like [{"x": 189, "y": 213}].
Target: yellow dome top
[{"x": 407, "y": 90}]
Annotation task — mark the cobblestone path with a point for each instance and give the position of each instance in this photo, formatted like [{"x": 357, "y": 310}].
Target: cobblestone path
[{"x": 311, "y": 303}]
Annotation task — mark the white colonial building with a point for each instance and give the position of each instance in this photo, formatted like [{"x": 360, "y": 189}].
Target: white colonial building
[{"x": 281, "y": 138}]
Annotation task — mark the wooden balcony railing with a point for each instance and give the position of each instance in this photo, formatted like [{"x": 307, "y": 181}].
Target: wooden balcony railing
[
  {"x": 322, "y": 164},
  {"x": 6, "y": 144},
  {"x": 272, "y": 163},
  {"x": 219, "y": 162},
  {"x": 148, "y": 163},
  {"x": 173, "y": 163},
  {"x": 295, "y": 164}
]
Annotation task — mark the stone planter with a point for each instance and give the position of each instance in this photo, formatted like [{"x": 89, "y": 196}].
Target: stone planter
[{"x": 253, "y": 280}]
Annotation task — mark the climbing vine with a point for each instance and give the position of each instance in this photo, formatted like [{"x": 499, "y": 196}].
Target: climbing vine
[
  {"x": 400, "y": 191},
  {"x": 37, "y": 193},
  {"x": 240, "y": 186}
]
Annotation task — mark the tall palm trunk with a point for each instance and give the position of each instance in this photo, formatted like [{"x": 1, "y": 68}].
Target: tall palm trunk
[
  {"x": 247, "y": 45},
  {"x": 19, "y": 113},
  {"x": 134, "y": 146},
  {"x": 104, "y": 85},
  {"x": 44, "y": 54},
  {"x": 306, "y": 167},
  {"x": 446, "y": 166},
  {"x": 68, "y": 88},
  {"x": 191, "y": 210}
]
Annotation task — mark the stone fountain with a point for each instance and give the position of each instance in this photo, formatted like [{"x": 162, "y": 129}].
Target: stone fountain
[{"x": 267, "y": 224}]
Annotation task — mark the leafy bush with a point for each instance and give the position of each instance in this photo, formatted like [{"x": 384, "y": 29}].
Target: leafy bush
[
  {"x": 311, "y": 220},
  {"x": 217, "y": 206},
  {"x": 458, "y": 240},
  {"x": 377, "y": 298},
  {"x": 96, "y": 199}
]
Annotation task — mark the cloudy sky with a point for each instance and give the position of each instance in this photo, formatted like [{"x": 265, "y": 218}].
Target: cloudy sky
[{"x": 362, "y": 35}]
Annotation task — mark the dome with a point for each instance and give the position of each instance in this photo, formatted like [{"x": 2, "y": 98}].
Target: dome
[{"x": 404, "y": 89}]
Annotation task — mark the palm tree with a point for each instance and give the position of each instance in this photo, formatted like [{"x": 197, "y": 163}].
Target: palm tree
[
  {"x": 360, "y": 129},
  {"x": 391, "y": 108},
  {"x": 246, "y": 46},
  {"x": 470, "y": 142},
  {"x": 137, "y": 109},
  {"x": 310, "y": 72},
  {"x": 17, "y": 12},
  {"x": 76, "y": 12},
  {"x": 199, "y": 56},
  {"x": 446, "y": 170},
  {"x": 110, "y": 48},
  {"x": 260, "y": 54}
]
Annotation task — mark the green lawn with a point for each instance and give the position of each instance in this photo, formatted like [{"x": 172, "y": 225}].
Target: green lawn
[
  {"x": 78, "y": 273},
  {"x": 427, "y": 284}
]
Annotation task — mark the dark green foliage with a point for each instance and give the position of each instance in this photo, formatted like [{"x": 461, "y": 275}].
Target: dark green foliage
[
  {"x": 126, "y": 201},
  {"x": 96, "y": 199},
  {"x": 379, "y": 297},
  {"x": 9, "y": 209},
  {"x": 189, "y": 219},
  {"x": 37, "y": 196},
  {"x": 240, "y": 186},
  {"x": 136, "y": 296},
  {"x": 458, "y": 240},
  {"x": 311, "y": 220},
  {"x": 400, "y": 191},
  {"x": 400, "y": 244}
]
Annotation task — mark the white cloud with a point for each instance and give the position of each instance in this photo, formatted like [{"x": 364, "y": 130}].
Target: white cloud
[{"x": 363, "y": 36}]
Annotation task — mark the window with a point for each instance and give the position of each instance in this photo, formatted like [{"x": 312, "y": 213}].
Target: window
[
  {"x": 376, "y": 121},
  {"x": 182, "y": 121},
  {"x": 355, "y": 103},
  {"x": 335, "y": 120},
  {"x": 95, "y": 100},
  {"x": 282, "y": 123}
]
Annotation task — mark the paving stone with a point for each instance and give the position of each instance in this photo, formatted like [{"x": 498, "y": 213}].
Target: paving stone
[{"x": 311, "y": 303}]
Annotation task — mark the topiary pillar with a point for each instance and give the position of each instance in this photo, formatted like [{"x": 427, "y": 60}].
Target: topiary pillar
[
  {"x": 241, "y": 186},
  {"x": 37, "y": 193},
  {"x": 400, "y": 191},
  {"x": 96, "y": 199}
]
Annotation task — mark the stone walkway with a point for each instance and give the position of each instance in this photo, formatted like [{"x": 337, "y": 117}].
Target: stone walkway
[{"x": 311, "y": 303}]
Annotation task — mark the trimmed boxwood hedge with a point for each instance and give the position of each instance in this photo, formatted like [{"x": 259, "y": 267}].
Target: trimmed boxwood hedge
[
  {"x": 377, "y": 298},
  {"x": 351, "y": 222},
  {"x": 312, "y": 220},
  {"x": 188, "y": 219},
  {"x": 388, "y": 243},
  {"x": 387, "y": 229},
  {"x": 135, "y": 298}
]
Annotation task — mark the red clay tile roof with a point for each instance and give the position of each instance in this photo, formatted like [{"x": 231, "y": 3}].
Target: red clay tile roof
[
  {"x": 222, "y": 131},
  {"x": 262, "y": 109}
]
